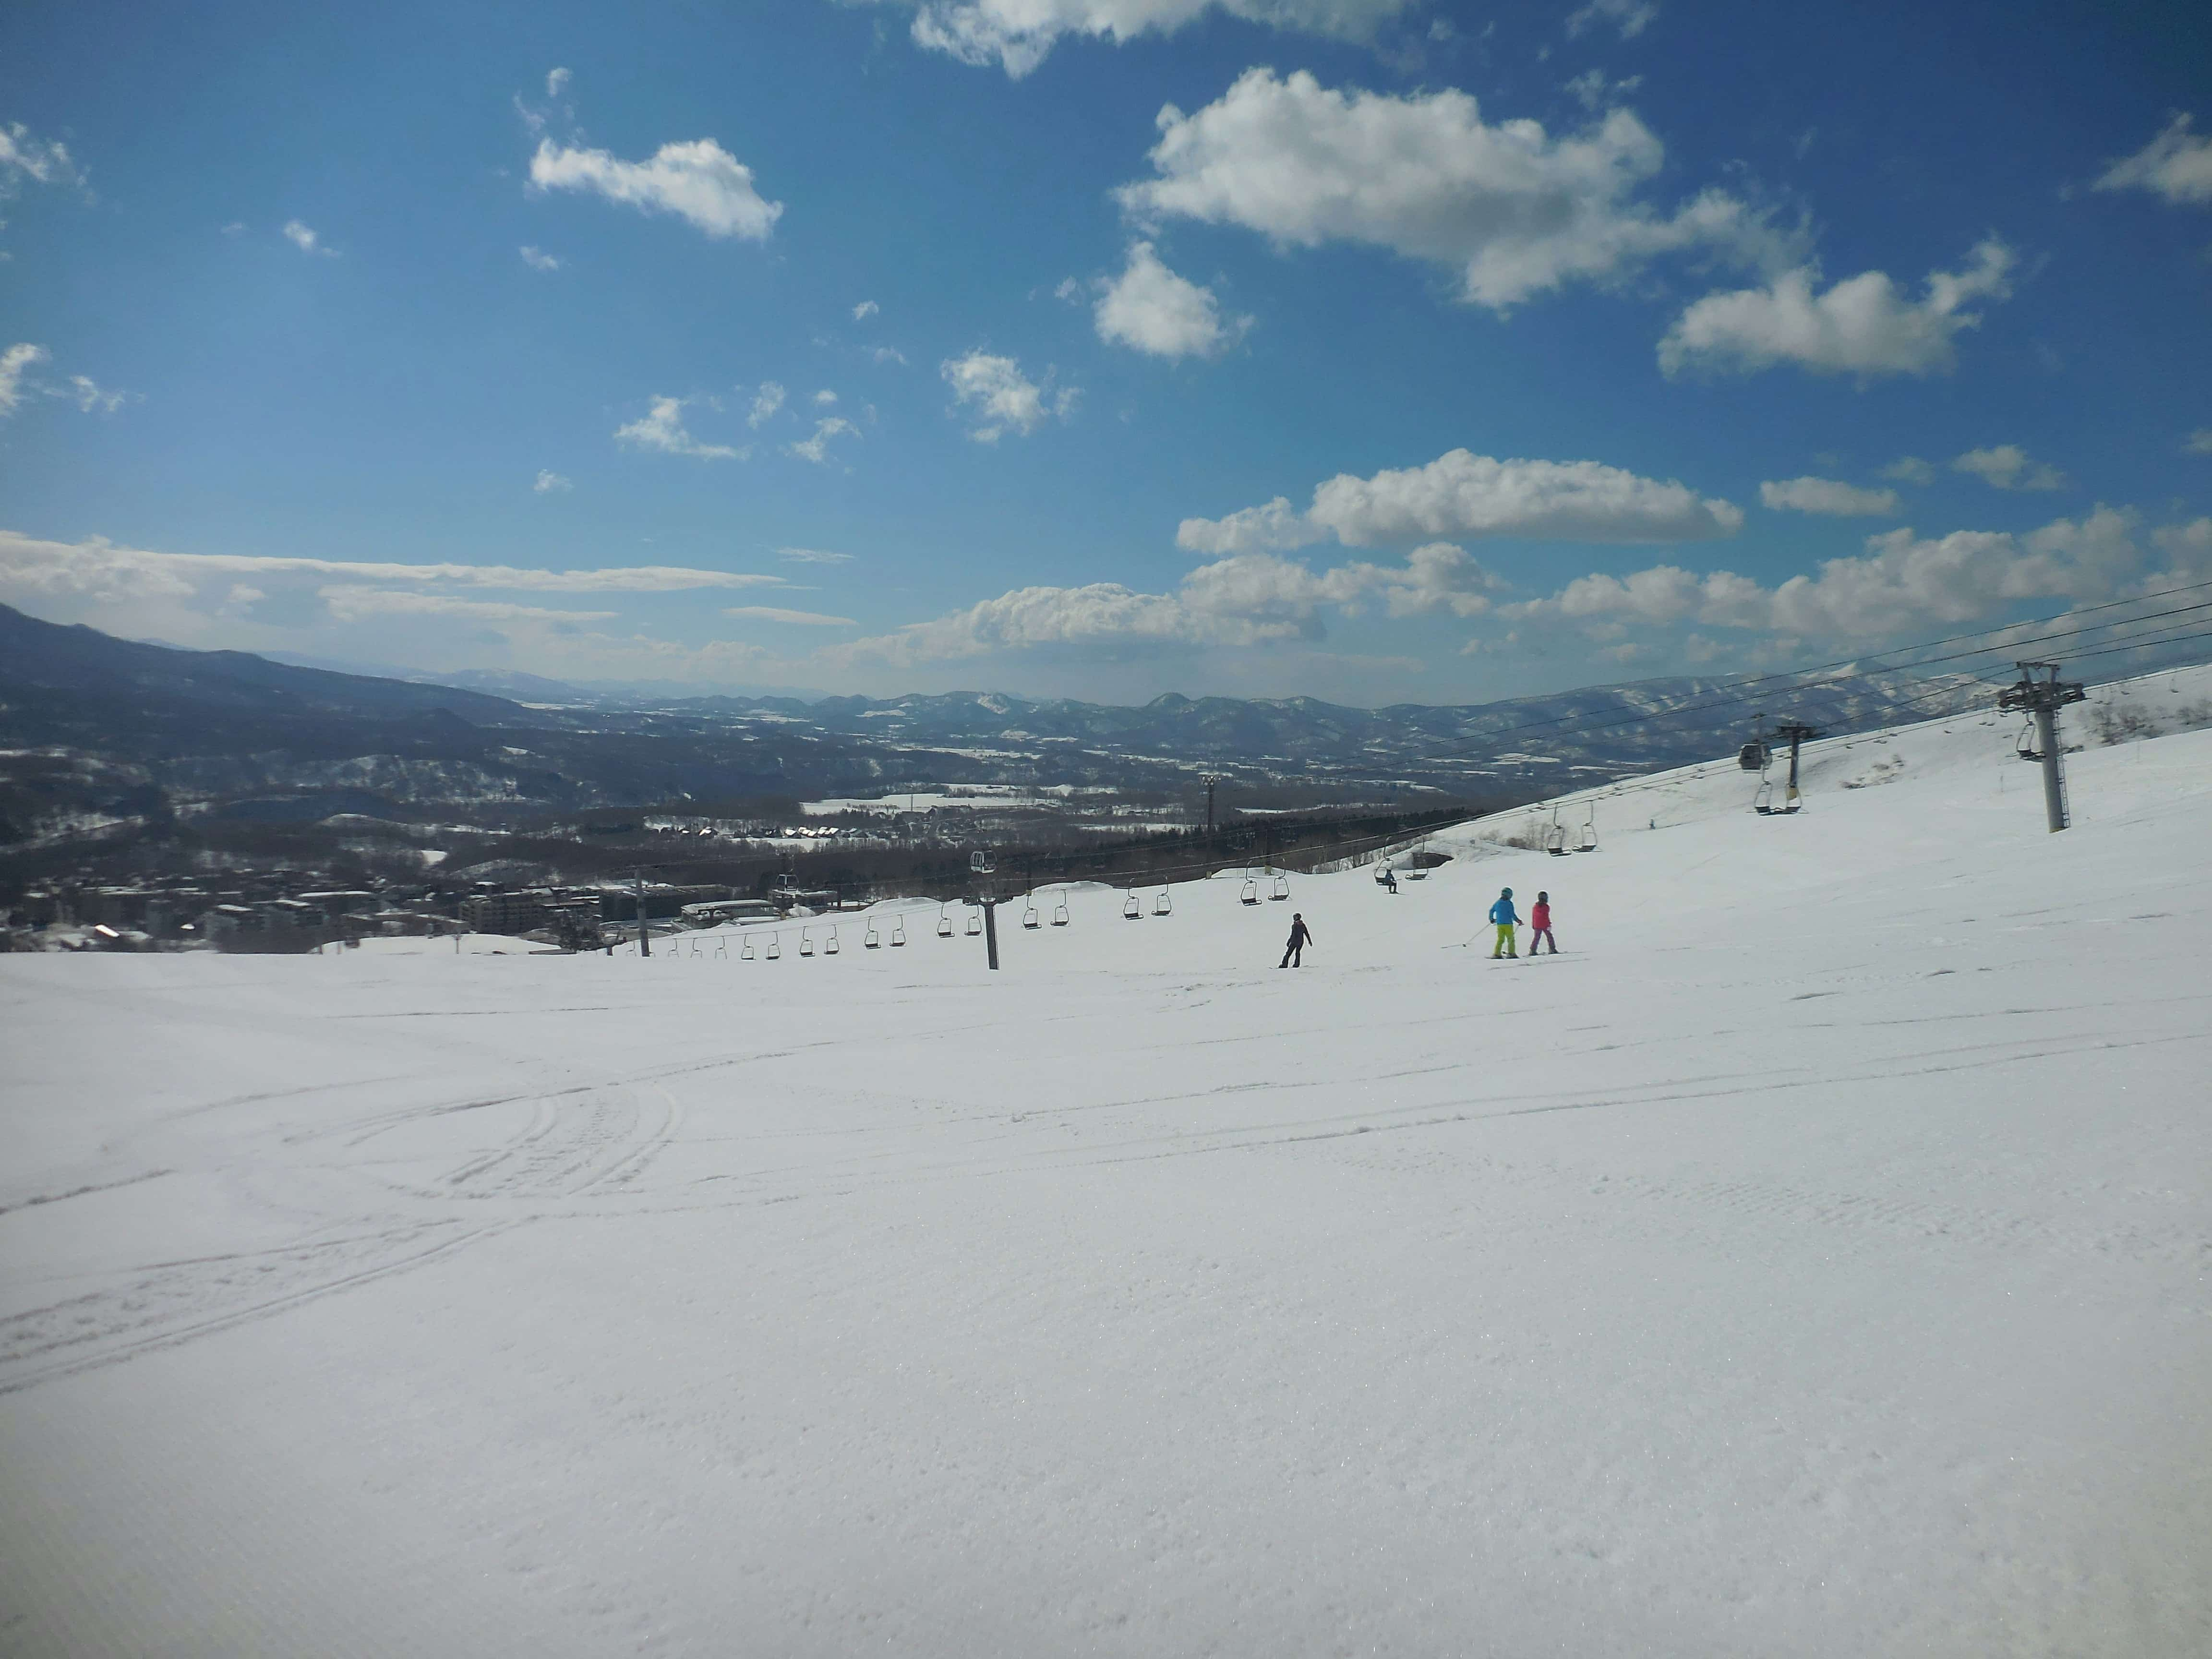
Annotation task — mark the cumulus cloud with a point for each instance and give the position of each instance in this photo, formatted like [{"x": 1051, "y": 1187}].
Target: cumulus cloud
[
  {"x": 766, "y": 401},
  {"x": 1862, "y": 325},
  {"x": 40, "y": 162},
  {"x": 797, "y": 618},
  {"x": 1250, "y": 598},
  {"x": 550, "y": 483},
  {"x": 999, "y": 397},
  {"x": 14, "y": 364},
  {"x": 2006, "y": 466},
  {"x": 1019, "y": 34},
  {"x": 537, "y": 259},
  {"x": 1149, "y": 309},
  {"x": 2176, "y": 165},
  {"x": 865, "y": 310},
  {"x": 308, "y": 241},
  {"x": 1910, "y": 469},
  {"x": 1630, "y": 17},
  {"x": 2198, "y": 442},
  {"x": 698, "y": 181},
  {"x": 1826, "y": 495},
  {"x": 661, "y": 427},
  {"x": 1514, "y": 210},
  {"x": 1903, "y": 581},
  {"x": 825, "y": 399},
  {"x": 817, "y": 448},
  {"x": 88, "y": 396},
  {"x": 1461, "y": 495}
]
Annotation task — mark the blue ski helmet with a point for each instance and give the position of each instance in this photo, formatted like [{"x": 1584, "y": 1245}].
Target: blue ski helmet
[{"x": 1507, "y": 893}]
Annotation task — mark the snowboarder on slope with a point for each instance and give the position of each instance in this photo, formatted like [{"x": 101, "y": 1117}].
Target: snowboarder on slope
[
  {"x": 1300, "y": 937},
  {"x": 1503, "y": 914},
  {"x": 1540, "y": 925}
]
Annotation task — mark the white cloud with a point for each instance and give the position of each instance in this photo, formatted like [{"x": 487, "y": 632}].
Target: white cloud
[
  {"x": 1903, "y": 582},
  {"x": 236, "y": 228},
  {"x": 812, "y": 555},
  {"x": 1149, "y": 308},
  {"x": 1630, "y": 17},
  {"x": 1860, "y": 325},
  {"x": 556, "y": 81},
  {"x": 798, "y": 618},
  {"x": 1017, "y": 34},
  {"x": 552, "y": 483},
  {"x": 14, "y": 363},
  {"x": 307, "y": 240},
  {"x": 766, "y": 401},
  {"x": 999, "y": 396},
  {"x": 1250, "y": 598},
  {"x": 1826, "y": 495},
  {"x": 349, "y": 604},
  {"x": 87, "y": 395},
  {"x": 662, "y": 429},
  {"x": 1464, "y": 494},
  {"x": 865, "y": 310},
  {"x": 2198, "y": 442},
  {"x": 1910, "y": 469},
  {"x": 2006, "y": 466},
  {"x": 817, "y": 448},
  {"x": 537, "y": 259},
  {"x": 2175, "y": 165},
  {"x": 22, "y": 157},
  {"x": 699, "y": 181},
  {"x": 1514, "y": 210},
  {"x": 1594, "y": 92},
  {"x": 825, "y": 399},
  {"x": 2189, "y": 545},
  {"x": 889, "y": 355},
  {"x": 100, "y": 569}
]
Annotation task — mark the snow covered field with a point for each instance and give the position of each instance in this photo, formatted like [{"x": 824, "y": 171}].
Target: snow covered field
[{"x": 1814, "y": 1261}]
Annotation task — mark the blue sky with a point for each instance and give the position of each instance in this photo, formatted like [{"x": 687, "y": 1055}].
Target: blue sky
[{"x": 1368, "y": 349}]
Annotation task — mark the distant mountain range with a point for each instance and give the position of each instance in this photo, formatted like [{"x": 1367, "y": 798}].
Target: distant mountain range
[{"x": 227, "y": 731}]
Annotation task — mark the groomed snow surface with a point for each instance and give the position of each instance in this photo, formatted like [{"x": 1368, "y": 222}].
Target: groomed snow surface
[{"x": 1812, "y": 1261}]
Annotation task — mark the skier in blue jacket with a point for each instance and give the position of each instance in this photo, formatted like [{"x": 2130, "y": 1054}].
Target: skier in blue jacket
[{"x": 1502, "y": 914}]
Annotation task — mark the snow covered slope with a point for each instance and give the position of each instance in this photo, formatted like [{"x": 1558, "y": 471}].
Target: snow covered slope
[{"x": 1812, "y": 1261}]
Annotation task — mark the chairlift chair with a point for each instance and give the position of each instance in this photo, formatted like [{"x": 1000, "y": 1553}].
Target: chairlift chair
[
  {"x": 1589, "y": 841},
  {"x": 1251, "y": 893},
  {"x": 1131, "y": 910},
  {"x": 898, "y": 933},
  {"x": 980, "y": 863},
  {"x": 1282, "y": 889},
  {"x": 871, "y": 940},
  {"x": 829, "y": 945},
  {"x": 1163, "y": 906},
  {"x": 975, "y": 921},
  {"x": 1029, "y": 917},
  {"x": 805, "y": 942},
  {"x": 1060, "y": 912},
  {"x": 1555, "y": 836},
  {"x": 775, "y": 947},
  {"x": 944, "y": 921},
  {"x": 745, "y": 949}
]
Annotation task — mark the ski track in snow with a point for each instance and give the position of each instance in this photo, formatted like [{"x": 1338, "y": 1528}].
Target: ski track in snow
[{"x": 1817, "y": 1265}]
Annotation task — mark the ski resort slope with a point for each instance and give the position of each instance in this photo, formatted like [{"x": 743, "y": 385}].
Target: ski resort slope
[{"x": 1813, "y": 1260}]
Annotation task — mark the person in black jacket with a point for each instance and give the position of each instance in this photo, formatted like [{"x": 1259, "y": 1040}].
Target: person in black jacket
[{"x": 1300, "y": 937}]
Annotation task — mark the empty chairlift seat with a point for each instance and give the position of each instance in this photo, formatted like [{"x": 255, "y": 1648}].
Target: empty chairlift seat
[
  {"x": 1131, "y": 910},
  {"x": 1060, "y": 912},
  {"x": 1163, "y": 906},
  {"x": 1029, "y": 917},
  {"x": 898, "y": 932}
]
